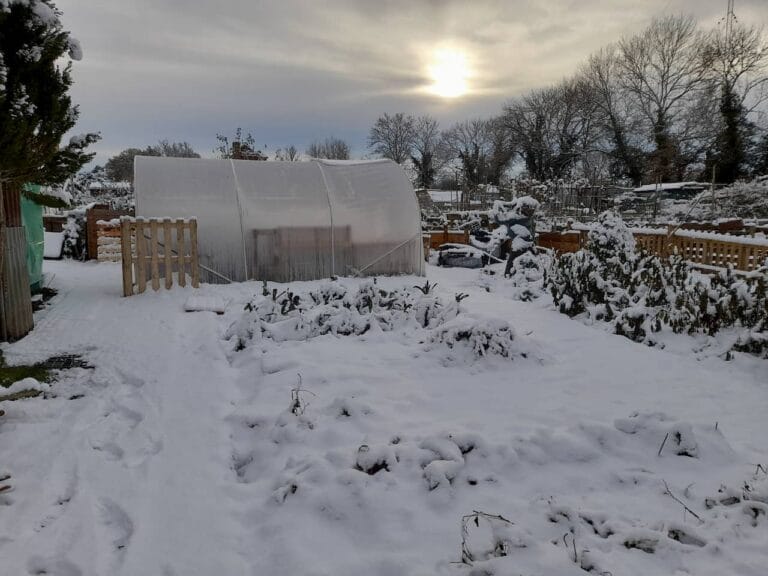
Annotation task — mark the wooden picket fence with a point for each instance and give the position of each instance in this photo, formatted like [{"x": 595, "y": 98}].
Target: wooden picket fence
[{"x": 155, "y": 249}]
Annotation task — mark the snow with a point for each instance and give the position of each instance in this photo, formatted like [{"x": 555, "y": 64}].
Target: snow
[
  {"x": 445, "y": 195},
  {"x": 180, "y": 454},
  {"x": 24, "y": 385},
  {"x": 52, "y": 244},
  {"x": 670, "y": 186},
  {"x": 75, "y": 50}
]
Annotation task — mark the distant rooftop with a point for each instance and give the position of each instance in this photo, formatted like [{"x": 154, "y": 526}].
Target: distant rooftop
[{"x": 668, "y": 186}]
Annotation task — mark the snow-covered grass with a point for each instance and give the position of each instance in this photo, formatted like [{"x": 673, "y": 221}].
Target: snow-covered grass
[{"x": 378, "y": 451}]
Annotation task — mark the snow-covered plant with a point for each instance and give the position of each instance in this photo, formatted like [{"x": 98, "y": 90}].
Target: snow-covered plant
[
  {"x": 500, "y": 537},
  {"x": 484, "y": 337},
  {"x": 74, "y": 235},
  {"x": 528, "y": 276},
  {"x": 640, "y": 294},
  {"x": 333, "y": 309},
  {"x": 611, "y": 239}
]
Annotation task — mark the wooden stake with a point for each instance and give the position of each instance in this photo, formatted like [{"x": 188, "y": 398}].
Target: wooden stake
[
  {"x": 153, "y": 242},
  {"x": 193, "y": 253},
  {"x": 180, "y": 252},
  {"x": 141, "y": 256},
  {"x": 168, "y": 252}
]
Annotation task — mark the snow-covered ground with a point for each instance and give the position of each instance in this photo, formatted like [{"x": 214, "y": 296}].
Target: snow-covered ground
[{"x": 177, "y": 455}]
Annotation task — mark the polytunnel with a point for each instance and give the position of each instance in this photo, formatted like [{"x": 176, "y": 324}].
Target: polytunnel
[{"x": 286, "y": 221}]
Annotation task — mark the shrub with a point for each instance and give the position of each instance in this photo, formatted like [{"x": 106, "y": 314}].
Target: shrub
[{"x": 640, "y": 294}]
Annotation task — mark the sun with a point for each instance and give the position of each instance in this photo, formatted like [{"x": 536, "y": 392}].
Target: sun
[{"x": 449, "y": 72}]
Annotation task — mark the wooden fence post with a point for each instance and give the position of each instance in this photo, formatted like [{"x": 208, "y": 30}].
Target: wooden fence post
[
  {"x": 168, "y": 252},
  {"x": 127, "y": 255},
  {"x": 193, "y": 252},
  {"x": 181, "y": 253},
  {"x": 141, "y": 257},
  {"x": 155, "y": 261}
]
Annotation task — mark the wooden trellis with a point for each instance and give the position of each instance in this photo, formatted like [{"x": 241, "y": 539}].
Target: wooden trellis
[{"x": 155, "y": 249}]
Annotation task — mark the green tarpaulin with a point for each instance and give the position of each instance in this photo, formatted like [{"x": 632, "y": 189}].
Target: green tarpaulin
[{"x": 32, "y": 220}]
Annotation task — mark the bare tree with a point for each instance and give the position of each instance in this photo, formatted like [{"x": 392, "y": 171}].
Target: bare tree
[
  {"x": 501, "y": 150},
  {"x": 553, "y": 128},
  {"x": 288, "y": 154},
  {"x": 617, "y": 121},
  {"x": 428, "y": 153},
  {"x": 330, "y": 148},
  {"x": 392, "y": 137},
  {"x": 172, "y": 150},
  {"x": 469, "y": 142},
  {"x": 664, "y": 69}
]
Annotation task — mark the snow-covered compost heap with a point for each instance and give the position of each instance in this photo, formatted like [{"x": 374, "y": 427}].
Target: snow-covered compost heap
[{"x": 286, "y": 221}]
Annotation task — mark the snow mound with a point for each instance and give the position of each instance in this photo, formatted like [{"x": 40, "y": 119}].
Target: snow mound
[
  {"x": 481, "y": 337},
  {"x": 24, "y": 385}
]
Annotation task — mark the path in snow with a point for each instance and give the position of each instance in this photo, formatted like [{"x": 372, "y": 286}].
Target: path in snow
[{"x": 135, "y": 475}]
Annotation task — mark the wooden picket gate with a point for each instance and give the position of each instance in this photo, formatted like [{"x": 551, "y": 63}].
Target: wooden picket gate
[{"x": 155, "y": 248}]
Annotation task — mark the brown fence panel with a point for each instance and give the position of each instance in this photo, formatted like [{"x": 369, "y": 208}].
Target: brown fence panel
[
  {"x": 561, "y": 242},
  {"x": 439, "y": 237}
]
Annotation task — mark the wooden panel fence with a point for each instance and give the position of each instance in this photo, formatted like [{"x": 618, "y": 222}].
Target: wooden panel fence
[
  {"x": 439, "y": 237},
  {"x": 154, "y": 248},
  {"x": 705, "y": 249},
  {"x": 561, "y": 242}
]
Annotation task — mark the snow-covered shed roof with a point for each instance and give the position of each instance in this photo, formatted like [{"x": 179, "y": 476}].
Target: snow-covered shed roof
[
  {"x": 670, "y": 186},
  {"x": 286, "y": 221}
]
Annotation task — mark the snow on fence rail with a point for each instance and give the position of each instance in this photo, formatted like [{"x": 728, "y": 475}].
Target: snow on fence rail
[
  {"x": 156, "y": 247},
  {"x": 704, "y": 249}
]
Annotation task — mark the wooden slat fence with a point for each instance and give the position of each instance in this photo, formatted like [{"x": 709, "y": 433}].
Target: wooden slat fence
[
  {"x": 153, "y": 249},
  {"x": 439, "y": 237},
  {"x": 561, "y": 242},
  {"x": 743, "y": 253}
]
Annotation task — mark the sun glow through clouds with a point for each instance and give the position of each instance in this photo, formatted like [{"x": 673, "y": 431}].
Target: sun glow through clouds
[{"x": 449, "y": 72}]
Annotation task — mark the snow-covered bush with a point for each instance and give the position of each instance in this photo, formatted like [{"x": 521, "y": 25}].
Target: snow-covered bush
[
  {"x": 640, "y": 294},
  {"x": 528, "y": 276},
  {"x": 74, "y": 235},
  {"x": 483, "y": 337}
]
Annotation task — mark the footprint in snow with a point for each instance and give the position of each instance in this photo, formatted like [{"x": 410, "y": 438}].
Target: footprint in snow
[
  {"x": 118, "y": 525},
  {"x": 38, "y": 565}
]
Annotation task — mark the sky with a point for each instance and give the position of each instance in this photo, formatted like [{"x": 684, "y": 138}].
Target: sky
[{"x": 292, "y": 71}]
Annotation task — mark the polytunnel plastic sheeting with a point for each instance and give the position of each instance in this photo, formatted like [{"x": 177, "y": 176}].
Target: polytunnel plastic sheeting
[
  {"x": 376, "y": 202},
  {"x": 285, "y": 221}
]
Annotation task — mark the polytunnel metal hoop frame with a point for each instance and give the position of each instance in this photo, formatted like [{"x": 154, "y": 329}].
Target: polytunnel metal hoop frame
[{"x": 330, "y": 212}]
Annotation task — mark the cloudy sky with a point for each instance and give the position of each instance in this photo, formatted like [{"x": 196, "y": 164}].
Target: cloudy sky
[{"x": 291, "y": 71}]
